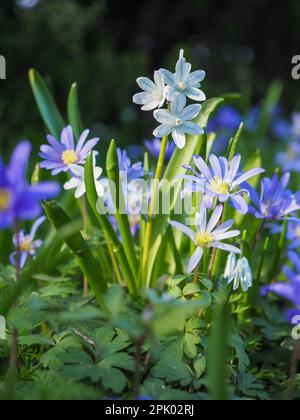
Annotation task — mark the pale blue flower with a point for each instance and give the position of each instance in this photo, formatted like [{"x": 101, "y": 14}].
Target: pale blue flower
[
  {"x": 239, "y": 272},
  {"x": 222, "y": 180},
  {"x": 178, "y": 121},
  {"x": 183, "y": 82},
  {"x": 27, "y": 243},
  {"x": 155, "y": 92},
  {"x": 208, "y": 234}
]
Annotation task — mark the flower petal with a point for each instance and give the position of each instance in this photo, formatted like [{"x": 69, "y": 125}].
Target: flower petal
[
  {"x": 184, "y": 229},
  {"x": 195, "y": 259},
  {"x": 215, "y": 217}
]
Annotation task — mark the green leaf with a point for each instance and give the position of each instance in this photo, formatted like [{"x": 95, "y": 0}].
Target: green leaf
[
  {"x": 74, "y": 111},
  {"x": 80, "y": 248},
  {"x": 110, "y": 235},
  {"x": 199, "y": 366},
  {"x": 172, "y": 368},
  {"x": 46, "y": 104},
  {"x": 191, "y": 289},
  {"x": 218, "y": 348},
  {"x": 113, "y": 173}
]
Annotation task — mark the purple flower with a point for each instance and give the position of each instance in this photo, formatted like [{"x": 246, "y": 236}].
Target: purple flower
[
  {"x": 291, "y": 289},
  {"x": 222, "y": 180},
  {"x": 60, "y": 156},
  {"x": 133, "y": 171},
  {"x": 293, "y": 234},
  {"x": 227, "y": 119},
  {"x": 154, "y": 147},
  {"x": 276, "y": 202},
  {"x": 18, "y": 199},
  {"x": 26, "y": 243},
  {"x": 282, "y": 129},
  {"x": 290, "y": 160}
]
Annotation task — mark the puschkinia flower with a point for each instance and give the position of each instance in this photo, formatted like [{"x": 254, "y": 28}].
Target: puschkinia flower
[
  {"x": 154, "y": 147},
  {"x": 289, "y": 290},
  {"x": 126, "y": 167},
  {"x": 222, "y": 180},
  {"x": 178, "y": 121},
  {"x": 78, "y": 180},
  {"x": 239, "y": 272},
  {"x": 184, "y": 82},
  {"x": 59, "y": 156},
  {"x": 18, "y": 199},
  {"x": 26, "y": 243},
  {"x": 155, "y": 92},
  {"x": 208, "y": 234},
  {"x": 275, "y": 202}
]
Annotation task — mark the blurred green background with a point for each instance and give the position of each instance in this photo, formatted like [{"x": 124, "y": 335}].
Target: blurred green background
[{"x": 105, "y": 45}]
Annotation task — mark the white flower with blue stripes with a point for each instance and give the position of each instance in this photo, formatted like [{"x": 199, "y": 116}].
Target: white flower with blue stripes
[
  {"x": 178, "y": 121},
  {"x": 184, "y": 82},
  {"x": 154, "y": 94}
]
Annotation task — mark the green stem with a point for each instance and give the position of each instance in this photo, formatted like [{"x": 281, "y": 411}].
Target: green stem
[
  {"x": 110, "y": 234},
  {"x": 217, "y": 258},
  {"x": 152, "y": 206},
  {"x": 113, "y": 173}
]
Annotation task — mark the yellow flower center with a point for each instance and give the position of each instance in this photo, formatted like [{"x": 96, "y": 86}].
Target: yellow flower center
[
  {"x": 178, "y": 122},
  {"x": 26, "y": 245},
  {"x": 69, "y": 157},
  {"x": 4, "y": 199},
  {"x": 182, "y": 86},
  {"x": 219, "y": 186},
  {"x": 204, "y": 239}
]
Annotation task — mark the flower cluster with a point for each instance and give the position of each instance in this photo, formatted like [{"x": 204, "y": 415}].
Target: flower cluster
[
  {"x": 239, "y": 272},
  {"x": 175, "y": 88}
]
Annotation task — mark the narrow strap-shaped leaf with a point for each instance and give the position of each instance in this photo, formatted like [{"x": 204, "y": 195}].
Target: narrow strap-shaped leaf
[
  {"x": 46, "y": 104},
  {"x": 233, "y": 145},
  {"x": 74, "y": 115},
  {"x": 108, "y": 230},
  {"x": 113, "y": 173},
  {"x": 218, "y": 346},
  {"x": 80, "y": 248}
]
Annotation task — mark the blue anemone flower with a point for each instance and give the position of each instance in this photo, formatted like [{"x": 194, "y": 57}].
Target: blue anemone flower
[
  {"x": 275, "y": 202},
  {"x": 222, "y": 180},
  {"x": 60, "y": 156},
  {"x": 18, "y": 199},
  {"x": 289, "y": 290}
]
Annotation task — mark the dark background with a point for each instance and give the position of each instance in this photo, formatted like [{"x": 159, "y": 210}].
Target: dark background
[{"x": 105, "y": 44}]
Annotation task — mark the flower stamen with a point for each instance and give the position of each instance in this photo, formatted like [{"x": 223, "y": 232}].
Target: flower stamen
[
  {"x": 4, "y": 199},
  {"x": 69, "y": 157},
  {"x": 204, "y": 239},
  {"x": 219, "y": 186}
]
